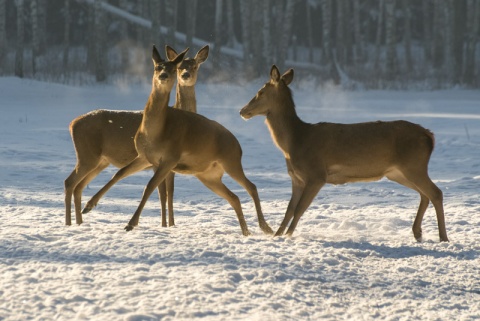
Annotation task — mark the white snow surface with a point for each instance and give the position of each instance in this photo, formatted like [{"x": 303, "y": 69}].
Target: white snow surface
[{"x": 352, "y": 256}]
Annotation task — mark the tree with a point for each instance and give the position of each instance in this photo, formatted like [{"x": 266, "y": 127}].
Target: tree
[
  {"x": 191, "y": 21},
  {"x": 66, "y": 36},
  {"x": 3, "y": 34},
  {"x": 473, "y": 22},
  {"x": 100, "y": 42},
  {"x": 407, "y": 35},
  {"x": 20, "y": 39},
  {"x": 390, "y": 39}
]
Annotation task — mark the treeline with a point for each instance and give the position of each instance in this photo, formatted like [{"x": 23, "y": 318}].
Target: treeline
[{"x": 369, "y": 43}]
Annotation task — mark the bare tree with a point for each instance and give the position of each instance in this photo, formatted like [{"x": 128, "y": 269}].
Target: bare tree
[
  {"x": 218, "y": 30},
  {"x": 359, "y": 41},
  {"x": 449, "y": 62},
  {"x": 407, "y": 35},
  {"x": 35, "y": 36},
  {"x": 438, "y": 51},
  {"x": 473, "y": 21},
  {"x": 155, "y": 11},
  {"x": 378, "y": 37},
  {"x": 100, "y": 43},
  {"x": 191, "y": 20},
  {"x": 427, "y": 29},
  {"x": 171, "y": 7},
  {"x": 20, "y": 39},
  {"x": 66, "y": 35},
  {"x": 390, "y": 39},
  {"x": 285, "y": 39},
  {"x": 267, "y": 32},
  {"x": 3, "y": 33}
]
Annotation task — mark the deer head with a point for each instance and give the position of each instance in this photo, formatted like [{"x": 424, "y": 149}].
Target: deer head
[
  {"x": 188, "y": 69},
  {"x": 270, "y": 95},
  {"x": 165, "y": 72}
]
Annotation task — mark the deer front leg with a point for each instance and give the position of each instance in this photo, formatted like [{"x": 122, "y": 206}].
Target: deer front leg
[
  {"x": 136, "y": 165},
  {"x": 170, "y": 186},
  {"x": 297, "y": 191},
  {"x": 155, "y": 181},
  {"x": 309, "y": 193}
]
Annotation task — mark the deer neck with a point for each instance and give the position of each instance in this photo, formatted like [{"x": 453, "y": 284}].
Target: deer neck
[
  {"x": 154, "y": 113},
  {"x": 285, "y": 126},
  {"x": 185, "y": 98}
]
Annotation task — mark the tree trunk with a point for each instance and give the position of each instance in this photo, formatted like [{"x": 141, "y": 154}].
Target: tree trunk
[
  {"x": 449, "y": 62},
  {"x": 218, "y": 32},
  {"x": 66, "y": 36},
  {"x": 267, "y": 33},
  {"x": 407, "y": 35},
  {"x": 171, "y": 20},
  {"x": 20, "y": 39},
  {"x": 340, "y": 36},
  {"x": 100, "y": 43},
  {"x": 286, "y": 33},
  {"x": 35, "y": 38},
  {"x": 245, "y": 13},
  {"x": 155, "y": 13},
  {"x": 3, "y": 34},
  {"x": 460, "y": 18},
  {"x": 438, "y": 34},
  {"x": 427, "y": 29},
  {"x": 473, "y": 20},
  {"x": 359, "y": 48},
  {"x": 42, "y": 25},
  {"x": 378, "y": 37},
  {"x": 390, "y": 39},
  {"x": 191, "y": 14}
]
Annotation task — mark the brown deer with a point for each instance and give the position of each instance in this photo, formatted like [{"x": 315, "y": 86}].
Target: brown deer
[
  {"x": 172, "y": 139},
  {"x": 104, "y": 137},
  {"x": 322, "y": 153},
  {"x": 185, "y": 100}
]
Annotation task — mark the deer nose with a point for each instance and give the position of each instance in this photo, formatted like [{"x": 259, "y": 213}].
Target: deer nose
[{"x": 186, "y": 75}]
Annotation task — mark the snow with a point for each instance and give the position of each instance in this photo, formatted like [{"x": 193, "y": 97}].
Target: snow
[{"x": 352, "y": 257}]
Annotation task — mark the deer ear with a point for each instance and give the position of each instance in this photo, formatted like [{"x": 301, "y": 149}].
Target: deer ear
[
  {"x": 178, "y": 59},
  {"x": 156, "y": 56},
  {"x": 287, "y": 77},
  {"x": 274, "y": 74},
  {"x": 202, "y": 54},
  {"x": 170, "y": 52}
]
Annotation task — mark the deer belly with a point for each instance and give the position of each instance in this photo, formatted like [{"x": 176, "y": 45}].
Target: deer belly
[{"x": 338, "y": 174}]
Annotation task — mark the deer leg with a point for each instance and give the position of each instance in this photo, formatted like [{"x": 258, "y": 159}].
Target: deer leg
[
  {"x": 162, "y": 196},
  {"x": 77, "y": 192},
  {"x": 170, "y": 186},
  {"x": 239, "y": 176},
  {"x": 417, "y": 224},
  {"x": 309, "y": 193},
  {"x": 71, "y": 183},
  {"x": 297, "y": 191},
  {"x": 154, "y": 182},
  {"x": 136, "y": 165},
  {"x": 215, "y": 185},
  {"x": 424, "y": 185}
]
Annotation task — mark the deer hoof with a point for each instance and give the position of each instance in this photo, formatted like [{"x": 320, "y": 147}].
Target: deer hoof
[
  {"x": 266, "y": 229},
  {"x": 128, "y": 228},
  {"x": 86, "y": 209}
]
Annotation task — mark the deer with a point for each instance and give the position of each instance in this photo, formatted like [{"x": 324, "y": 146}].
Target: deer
[
  {"x": 171, "y": 139},
  {"x": 332, "y": 153},
  {"x": 103, "y": 137}
]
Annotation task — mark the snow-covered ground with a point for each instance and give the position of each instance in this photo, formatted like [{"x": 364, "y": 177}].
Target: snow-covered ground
[{"x": 352, "y": 256}]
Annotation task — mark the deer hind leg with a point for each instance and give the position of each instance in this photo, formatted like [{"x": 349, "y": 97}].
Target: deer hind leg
[
  {"x": 136, "y": 165},
  {"x": 72, "y": 187},
  {"x": 238, "y": 175},
  {"x": 422, "y": 183},
  {"x": 430, "y": 190},
  {"x": 215, "y": 184},
  {"x": 77, "y": 192}
]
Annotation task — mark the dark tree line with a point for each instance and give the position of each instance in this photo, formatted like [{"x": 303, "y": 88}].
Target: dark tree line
[{"x": 372, "y": 43}]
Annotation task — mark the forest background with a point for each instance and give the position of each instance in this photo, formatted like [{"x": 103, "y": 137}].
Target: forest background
[{"x": 371, "y": 44}]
